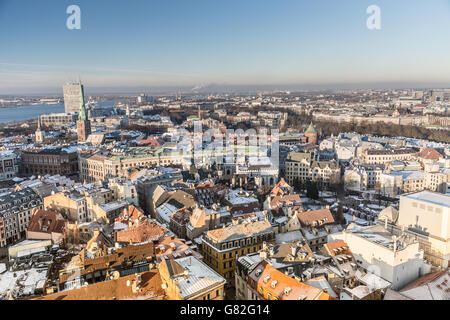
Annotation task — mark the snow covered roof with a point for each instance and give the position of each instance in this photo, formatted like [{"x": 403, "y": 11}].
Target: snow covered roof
[
  {"x": 431, "y": 197},
  {"x": 197, "y": 276}
]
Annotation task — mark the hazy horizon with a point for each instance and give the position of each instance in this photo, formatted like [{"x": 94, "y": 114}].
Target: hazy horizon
[{"x": 223, "y": 88}]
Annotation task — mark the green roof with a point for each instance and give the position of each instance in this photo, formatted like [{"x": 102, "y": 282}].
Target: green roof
[
  {"x": 311, "y": 129},
  {"x": 82, "y": 116}
]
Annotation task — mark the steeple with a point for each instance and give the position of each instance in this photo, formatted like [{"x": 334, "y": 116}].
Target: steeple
[
  {"x": 39, "y": 134},
  {"x": 311, "y": 129},
  {"x": 83, "y": 123},
  {"x": 82, "y": 116},
  {"x": 311, "y": 134}
]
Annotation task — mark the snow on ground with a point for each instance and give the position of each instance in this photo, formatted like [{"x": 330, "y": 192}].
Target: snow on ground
[
  {"x": 376, "y": 206},
  {"x": 24, "y": 279},
  {"x": 326, "y": 194}
]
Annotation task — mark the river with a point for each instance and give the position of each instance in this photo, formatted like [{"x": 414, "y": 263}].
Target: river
[{"x": 22, "y": 113}]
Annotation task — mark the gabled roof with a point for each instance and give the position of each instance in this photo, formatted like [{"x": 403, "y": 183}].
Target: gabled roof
[
  {"x": 282, "y": 286},
  {"x": 281, "y": 188},
  {"x": 131, "y": 214},
  {"x": 333, "y": 248},
  {"x": 118, "y": 289},
  {"x": 433, "y": 286},
  {"x": 142, "y": 232},
  {"x": 390, "y": 213},
  {"x": 315, "y": 218},
  {"x": 429, "y": 154},
  {"x": 323, "y": 164},
  {"x": 285, "y": 200},
  {"x": 46, "y": 222},
  {"x": 241, "y": 230}
]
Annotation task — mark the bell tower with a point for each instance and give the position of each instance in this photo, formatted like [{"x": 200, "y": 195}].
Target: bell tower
[{"x": 83, "y": 123}]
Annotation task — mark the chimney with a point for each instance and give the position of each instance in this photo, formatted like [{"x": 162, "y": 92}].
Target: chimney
[
  {"x": 263, "y": 254},
  {"x": 293, "y": 251},
  {"x": 82, "y": 256}
]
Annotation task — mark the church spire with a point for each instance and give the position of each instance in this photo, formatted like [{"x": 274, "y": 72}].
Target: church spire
[
  {"x": 82, "y": 116},
  {"x": 83, "y": 123}
]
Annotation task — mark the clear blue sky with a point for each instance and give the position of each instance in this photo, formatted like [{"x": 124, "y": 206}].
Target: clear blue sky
[{"x": 150, "y": 43}]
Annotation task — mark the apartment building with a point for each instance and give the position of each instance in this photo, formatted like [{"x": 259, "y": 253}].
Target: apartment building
[
  {"x": 92, "y": 168},
  {"x": 188, "y": 278},
  {"x": 61, "y": 160},
  {"x": 99, "y": 168},
  {"x": 298, "y": 166},
  {"x": 16, "y": 210},
  {"x": 426, "y": 215},
  {"x": 71, "y": 204},
  {"x": 325, "y": 172},
  {"x": 221, "y": 247},
  {"x": 8, "y": 165},
  {"x": 58, "y": 119},
  {"x": 124, "y": 190},
  {"x": 267, "y": 283},
  {"x": 202, "y": 220},
  {"x": 398, "y": 260},
  {"x": 363, "y": 177},
  {"x": 371, "y": 156}
]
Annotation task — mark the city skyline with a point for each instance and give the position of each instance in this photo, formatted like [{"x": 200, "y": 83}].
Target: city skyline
[{"x": 285, "y": 45}]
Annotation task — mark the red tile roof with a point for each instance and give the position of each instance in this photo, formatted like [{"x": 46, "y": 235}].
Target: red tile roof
[
  {"x": 118, "y": 289},
  {"x": 285, "y": 200},
  {"x": 331, "y": 246},
  {"x": 142, "y": 232},
  {"x": 315, "y": 218},
  {"x": 283, "y": 287},
  {"x": 281, "y": 188},
  {"x": 46, "y": 222},
  {"x": 130, "y": 214},
  {"x": 429, "y": 154}
]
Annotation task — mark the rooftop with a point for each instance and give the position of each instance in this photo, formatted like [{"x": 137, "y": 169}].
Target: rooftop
[
  {"x": 118, "y": 289},
  {"x": 431, "y": 197},
  {"x": 193, "y": 276},
  {"x": 240, "y": 230}
]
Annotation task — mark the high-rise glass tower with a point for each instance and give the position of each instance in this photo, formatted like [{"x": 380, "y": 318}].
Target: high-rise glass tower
[{"x": 72, "y": 96}]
